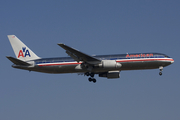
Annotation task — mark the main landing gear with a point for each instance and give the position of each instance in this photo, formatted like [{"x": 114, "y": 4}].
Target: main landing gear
[
  {"x": 161, "y": 69},
  {"x": 91, "y": 78}
]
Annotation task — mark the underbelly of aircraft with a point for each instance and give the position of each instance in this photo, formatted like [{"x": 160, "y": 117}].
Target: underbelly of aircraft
[{"x": 125, "y": 66}]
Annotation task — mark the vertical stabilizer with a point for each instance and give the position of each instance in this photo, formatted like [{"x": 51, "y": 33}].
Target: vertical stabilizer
[{"x": 21, "y": 51}]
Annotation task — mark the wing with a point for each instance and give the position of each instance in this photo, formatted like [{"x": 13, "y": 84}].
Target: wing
[{"x": 79, "y": 56}]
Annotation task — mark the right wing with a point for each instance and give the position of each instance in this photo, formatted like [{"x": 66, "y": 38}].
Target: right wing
[{"x": 79, "y": 56}]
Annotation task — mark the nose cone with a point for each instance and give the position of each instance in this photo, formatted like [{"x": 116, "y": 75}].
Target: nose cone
[{"x": 172, "y": 61}]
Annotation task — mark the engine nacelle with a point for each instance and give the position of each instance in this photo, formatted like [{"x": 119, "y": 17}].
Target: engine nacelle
[
  {"x": 110, "y": 74},
  {"x": 109, "y": 64}
]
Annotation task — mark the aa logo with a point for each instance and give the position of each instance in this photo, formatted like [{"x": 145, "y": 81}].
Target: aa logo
[{"x": 24, "y": 52}]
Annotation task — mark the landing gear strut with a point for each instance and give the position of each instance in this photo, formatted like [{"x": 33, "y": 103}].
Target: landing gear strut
[
  {"x": 161, "y": 69},
  {"x": 91, "y": 78}
]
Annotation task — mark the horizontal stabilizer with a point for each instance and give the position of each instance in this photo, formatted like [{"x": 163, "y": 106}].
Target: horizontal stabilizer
[{"x": 17, "y": 61}]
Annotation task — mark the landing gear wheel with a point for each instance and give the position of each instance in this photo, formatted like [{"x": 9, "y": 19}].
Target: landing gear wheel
[
  {"x": 92, "y": 79},
  {"x": 92, "y": 75},
  {"x": 161, "y": 69},
  {"x": 87, "y": 74}
]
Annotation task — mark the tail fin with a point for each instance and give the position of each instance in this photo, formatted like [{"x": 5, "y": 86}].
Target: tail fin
[{"x": 21, "y": 51}]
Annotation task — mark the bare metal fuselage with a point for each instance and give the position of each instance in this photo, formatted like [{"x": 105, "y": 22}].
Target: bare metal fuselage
[
  {"x": 68, "y": 65},
  {"x": 108, "y": 66}
]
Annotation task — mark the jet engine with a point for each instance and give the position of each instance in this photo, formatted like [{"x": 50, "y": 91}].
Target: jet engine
[
  {"x": 110, "y": 74},
  {"x": 109, "y": 64}
]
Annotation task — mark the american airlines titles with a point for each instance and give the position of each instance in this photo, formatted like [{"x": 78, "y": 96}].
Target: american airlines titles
[{"x": 139, "y": 55}]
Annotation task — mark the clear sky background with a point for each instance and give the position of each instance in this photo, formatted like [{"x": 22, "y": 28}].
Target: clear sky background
[{"x": 93, "y": 27}]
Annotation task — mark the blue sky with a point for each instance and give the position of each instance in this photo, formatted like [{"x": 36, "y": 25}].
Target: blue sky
[{"x": 93, "y": 27}]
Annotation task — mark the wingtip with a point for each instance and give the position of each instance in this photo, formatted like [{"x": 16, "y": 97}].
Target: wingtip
[
  {"x": 61, "y": 44},
  {"x": 8, "y": 56}
]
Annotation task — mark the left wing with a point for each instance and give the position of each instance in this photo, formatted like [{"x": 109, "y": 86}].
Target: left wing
[{"x": 79, "y": 56}]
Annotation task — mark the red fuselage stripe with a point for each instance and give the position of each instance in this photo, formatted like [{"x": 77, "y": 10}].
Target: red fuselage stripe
[
  {"x": 58, "y": 64},
  {"x": 128, "y": 60}
]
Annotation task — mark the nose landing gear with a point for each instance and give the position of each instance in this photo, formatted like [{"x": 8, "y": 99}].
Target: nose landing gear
[{"x": 161, "y": 69}]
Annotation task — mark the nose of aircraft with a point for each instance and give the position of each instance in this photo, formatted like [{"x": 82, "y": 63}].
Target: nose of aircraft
[{"x": 172, "y": 61}]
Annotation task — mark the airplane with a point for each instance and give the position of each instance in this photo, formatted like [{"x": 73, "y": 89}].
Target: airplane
[{"x": 108, "y": 66}]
